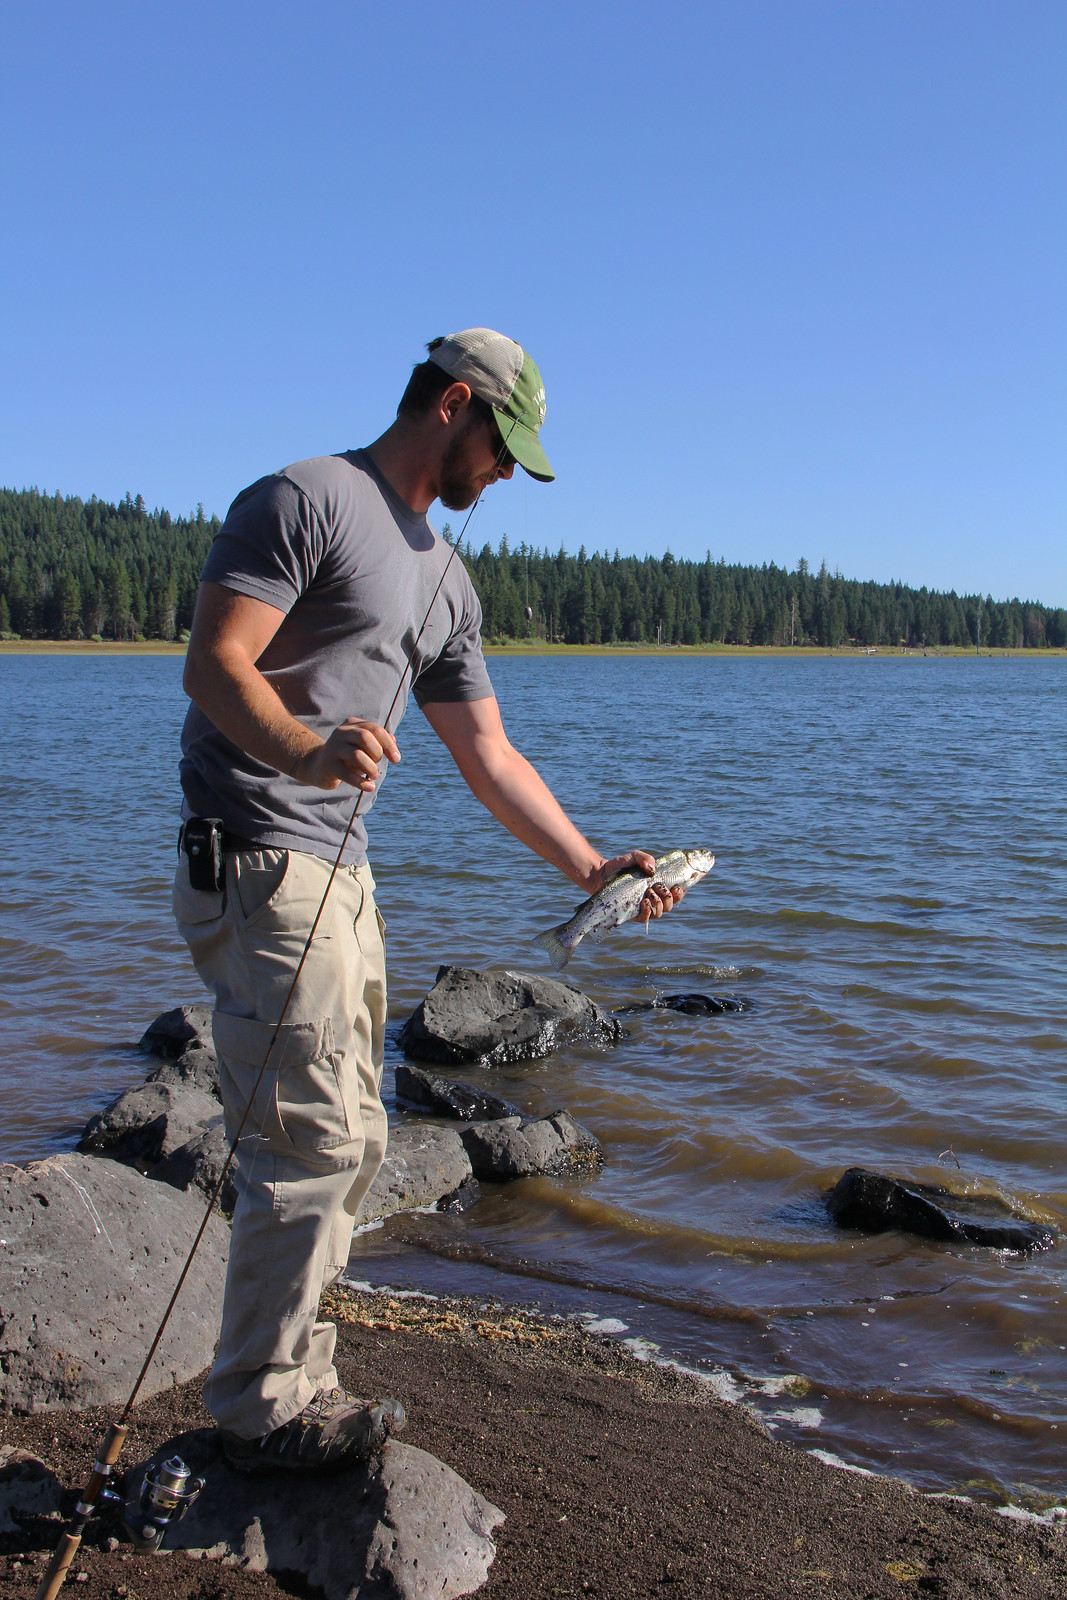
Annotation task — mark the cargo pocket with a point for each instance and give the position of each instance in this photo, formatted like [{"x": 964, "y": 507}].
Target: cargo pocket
[{"x": 298, "y": 1105}]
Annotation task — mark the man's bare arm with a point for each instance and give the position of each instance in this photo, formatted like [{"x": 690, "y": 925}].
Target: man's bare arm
[
  {"x": 508, "y": 786},
  {"x": 229, "y": 634}
]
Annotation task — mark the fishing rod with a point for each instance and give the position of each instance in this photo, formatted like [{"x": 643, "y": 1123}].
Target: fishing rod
[{"x": 111, "y": 1447}]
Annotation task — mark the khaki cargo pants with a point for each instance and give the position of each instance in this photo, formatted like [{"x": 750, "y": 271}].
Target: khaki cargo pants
[{"x": 316, "y": 1134}]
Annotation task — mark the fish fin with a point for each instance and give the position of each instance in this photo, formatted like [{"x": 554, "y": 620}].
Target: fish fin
[{"x": 558, "y": 952}]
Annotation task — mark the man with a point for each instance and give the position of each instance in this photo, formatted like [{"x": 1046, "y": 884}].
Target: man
[{"x": 325, "y": 597}]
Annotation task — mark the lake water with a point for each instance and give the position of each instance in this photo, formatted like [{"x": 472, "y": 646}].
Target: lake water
[{"x": 890, "y": 889}]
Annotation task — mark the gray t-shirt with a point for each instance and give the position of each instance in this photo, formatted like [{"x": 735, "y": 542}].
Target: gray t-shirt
[{"x": 332, "y": 545}]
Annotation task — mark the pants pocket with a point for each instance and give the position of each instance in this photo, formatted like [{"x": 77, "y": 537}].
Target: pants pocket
[
  {"x": 259, "y": 878},
  {"x": 298, "y": 1105}
]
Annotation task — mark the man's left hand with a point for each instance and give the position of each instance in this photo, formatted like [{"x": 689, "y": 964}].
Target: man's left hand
[{"x": 657, "y": 899}]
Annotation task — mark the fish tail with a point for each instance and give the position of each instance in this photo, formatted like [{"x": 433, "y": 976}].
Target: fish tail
[{"x": 559, "y": 951}]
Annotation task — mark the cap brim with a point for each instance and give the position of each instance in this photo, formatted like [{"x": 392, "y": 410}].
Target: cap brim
[{"x": 524, "y": 446}]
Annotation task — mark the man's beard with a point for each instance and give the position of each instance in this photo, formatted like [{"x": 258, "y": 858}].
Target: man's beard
[{"x": 459, "y": 487}]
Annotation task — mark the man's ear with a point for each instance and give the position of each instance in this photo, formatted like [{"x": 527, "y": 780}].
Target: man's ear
[{"x": 454, "y": 400}]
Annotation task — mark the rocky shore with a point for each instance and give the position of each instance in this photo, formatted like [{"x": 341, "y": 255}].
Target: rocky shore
[
  {"x": 539, "y": 1459},
  {"x": 615, "y": 1477}
]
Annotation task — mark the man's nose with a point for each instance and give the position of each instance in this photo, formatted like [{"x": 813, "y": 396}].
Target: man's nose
[{"x": 506, "y": 472}]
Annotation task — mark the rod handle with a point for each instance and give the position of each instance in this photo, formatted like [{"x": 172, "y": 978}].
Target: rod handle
[
  {"x": 56, "y": 1571},
  {"x": 66, "y": 1549},
  {"x": 109, "y": 1454}
]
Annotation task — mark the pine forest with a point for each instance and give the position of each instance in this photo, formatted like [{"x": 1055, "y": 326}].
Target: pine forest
[{"x": 74, "y": 569}]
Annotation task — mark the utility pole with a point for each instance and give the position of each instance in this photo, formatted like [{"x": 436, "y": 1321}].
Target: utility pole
[{"x": 793, "y": 623}]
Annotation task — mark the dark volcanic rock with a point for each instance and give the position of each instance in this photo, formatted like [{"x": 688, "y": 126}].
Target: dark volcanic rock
[
  {"x": 498, "y": 1016},
  {"x": 197, "y": 1067},
  {"x": 446, "y": 1098},
  {"x": 422, "y": 1164},
  {"x": 92, "y": 1256},
  {"x": 174, "y": 1031},
  {"x": 28, "y": 1488},
  {"x": 694, "y": 1005},
  {"x": 146, "y": 1124},
  {"x": 468, "y": 1194},
  {"x": 404, "y": 1527},
  {"x": 198, "y": 1164},
  {"x": 516, "y": 1148},
  {"x": 875, "y": 1203}
]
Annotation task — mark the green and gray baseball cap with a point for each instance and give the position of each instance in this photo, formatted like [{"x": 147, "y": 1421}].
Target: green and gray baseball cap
[{"x": 503, "y": 374}]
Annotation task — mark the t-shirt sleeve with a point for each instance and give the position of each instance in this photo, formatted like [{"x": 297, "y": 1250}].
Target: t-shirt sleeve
[
  {"x": 270, "y": 545},
  {"x": 459, "y": 672}
]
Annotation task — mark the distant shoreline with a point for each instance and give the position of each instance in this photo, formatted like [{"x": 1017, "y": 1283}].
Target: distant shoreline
[{"x": 520, "y": 647}]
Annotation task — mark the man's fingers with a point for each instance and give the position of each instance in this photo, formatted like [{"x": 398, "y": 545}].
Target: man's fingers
[
  {"x": 371, "y": 737},
  {"x": 658, "y": 899}
]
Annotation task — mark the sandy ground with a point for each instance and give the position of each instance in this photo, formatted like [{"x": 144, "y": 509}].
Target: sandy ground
[{"x": 618, "y": 1479}]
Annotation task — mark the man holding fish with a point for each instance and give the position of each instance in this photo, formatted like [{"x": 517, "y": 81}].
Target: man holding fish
[{"x": 325, "y": 596}]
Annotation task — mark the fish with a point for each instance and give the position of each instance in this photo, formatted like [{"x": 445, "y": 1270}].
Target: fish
[{"x": 620, "y": 900}]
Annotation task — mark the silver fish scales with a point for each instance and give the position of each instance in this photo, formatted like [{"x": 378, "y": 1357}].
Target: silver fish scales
[{"x": 620, "y": 900}]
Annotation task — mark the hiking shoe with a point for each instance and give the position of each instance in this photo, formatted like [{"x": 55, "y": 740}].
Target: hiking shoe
[{"x": 335, "y": 1429}]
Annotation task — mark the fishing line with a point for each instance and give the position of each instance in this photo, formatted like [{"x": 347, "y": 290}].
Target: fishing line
[{"x": 104, "y": 1465}]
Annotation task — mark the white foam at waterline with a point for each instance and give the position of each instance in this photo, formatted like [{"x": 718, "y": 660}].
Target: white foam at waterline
[
  {"x": 802, "y": 1417},
  {"x": 383, "y": 1289},
  {"x": 367, "y": 1227},
  {"x": 828, "y": 1459},
  {"x": 1048, "y": 1518},
  {"x": 641, "y": 1349},
  {"x": 595, "y": 1324},
  {"x": 719, "y": 1381},
  {"x": 773, "y": 1386}
]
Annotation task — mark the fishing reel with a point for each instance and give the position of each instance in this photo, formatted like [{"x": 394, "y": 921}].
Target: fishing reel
[{"x": 167, "y": 1492}]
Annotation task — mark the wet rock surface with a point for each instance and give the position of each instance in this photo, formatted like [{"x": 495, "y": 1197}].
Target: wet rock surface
[
  {"x": 150, "y": 1122},
  {"x": 92, "y": 1253},
  {"x": 518, "y": 1147},
  {"x": 693, "y": 1005},
  {"x": 447, "y": 1098},
  {"x": 173, "y": 1031},
  {"x": 497, "y": 1016},
  {"x": 875, "y": 1203},
  {"x": 422, "y": 1165},
  {"x": 405, "y": 1527}
]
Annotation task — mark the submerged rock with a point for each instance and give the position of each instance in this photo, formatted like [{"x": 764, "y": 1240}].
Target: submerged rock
[
  {"x": 498, "y": 1016},
  {"x": 694, "y": 1005},
  {"x": 518, "y": 1147},
  {"x": 423, "y": 1164},
  {"x": 875, "y": 1203},
  {"x": 91, "y": 1255},
  {"x": 404, "y": 1527},
  {"x": 447, "y": 1098},
  {"x": 150, "y": 1122},
  {"x": 174, "y": 1031}
]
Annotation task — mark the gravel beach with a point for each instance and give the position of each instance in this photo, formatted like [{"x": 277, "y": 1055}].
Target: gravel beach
[{"x": 618, "y": 1478}]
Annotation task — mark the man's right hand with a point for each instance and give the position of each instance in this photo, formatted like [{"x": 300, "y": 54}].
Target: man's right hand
[{"x": 352, "y": 754}]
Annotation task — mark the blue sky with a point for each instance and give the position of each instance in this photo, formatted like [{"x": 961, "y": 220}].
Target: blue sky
[{"x": 793, "y": 272}]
